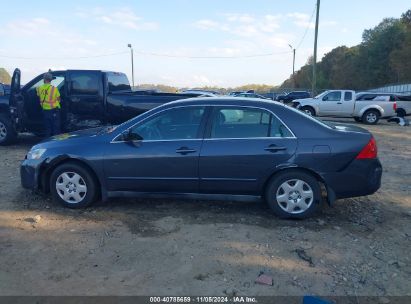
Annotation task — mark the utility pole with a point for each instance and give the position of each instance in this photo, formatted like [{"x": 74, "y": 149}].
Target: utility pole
[
  {"x": 293, "y": 49},
  {"x": 314, "y": 83},
  {"x": 132, "y": 63}
]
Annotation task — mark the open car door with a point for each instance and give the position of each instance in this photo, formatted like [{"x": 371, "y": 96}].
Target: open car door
[
  {"x": 16, "y": 99},
  {"x": 9, "y": 117}
]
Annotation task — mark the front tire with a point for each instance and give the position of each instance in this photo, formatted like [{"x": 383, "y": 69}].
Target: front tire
[
  {"x": 371, "y": 117},
  {"x": 73, "y": 186},
  {"x": 308, "y": 110},
  {"x": 293, "y": 194},
  {"x": 7, "y": 132}
]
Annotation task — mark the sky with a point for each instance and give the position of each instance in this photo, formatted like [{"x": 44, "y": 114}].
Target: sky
[{"x": 183, "y": 43}]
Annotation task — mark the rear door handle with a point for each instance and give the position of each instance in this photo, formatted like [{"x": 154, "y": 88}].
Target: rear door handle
[
  {"x": 274, "y": 148},
  {"x": 75, "y": 99},
  {"x": 185, "y": 150},
  {"x": 339, "y": 102}
]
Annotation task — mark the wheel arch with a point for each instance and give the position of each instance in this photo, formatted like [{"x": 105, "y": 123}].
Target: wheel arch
[
  {"x": 401, "y": 112},
  {"x": 48, "y": 168},
  {"x": 377, "y": 108},
  {"x": 313, "y": 107},
  {"x": 328, "y": 191}
]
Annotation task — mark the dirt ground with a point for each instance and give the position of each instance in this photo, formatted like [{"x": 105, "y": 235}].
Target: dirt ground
[{"x": 358, "y": 247}]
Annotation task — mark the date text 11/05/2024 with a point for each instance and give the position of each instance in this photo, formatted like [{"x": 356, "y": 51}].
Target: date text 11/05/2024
[{"x": 237, "y": 299}]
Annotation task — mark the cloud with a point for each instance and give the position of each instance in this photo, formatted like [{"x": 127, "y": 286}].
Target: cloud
[
  {"x": 122, "y": 17},
  {"x": 47, "y": 29},
  {"x": 301, "y": 20},
  {"x": 206, "y": 24},
  {"x": 259, "y": 31},
  {"x": 241, "y": 24},
  {"x": 30, "y": 27}
]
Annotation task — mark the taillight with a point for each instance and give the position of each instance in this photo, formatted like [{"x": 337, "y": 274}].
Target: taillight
[
  {"x": 394, "y": 106},
  {"x": 369, "y": 151}
]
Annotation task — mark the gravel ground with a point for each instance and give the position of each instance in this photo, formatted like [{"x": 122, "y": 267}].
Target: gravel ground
[{"x": 358, "y": 247}]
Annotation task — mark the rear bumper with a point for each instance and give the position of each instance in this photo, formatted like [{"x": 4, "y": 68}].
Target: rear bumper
[
  {"x": 361, "y": 177},
  {"x": 29, "y": 174}
]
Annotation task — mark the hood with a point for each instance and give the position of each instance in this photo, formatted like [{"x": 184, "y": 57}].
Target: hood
[
  {"x": 303, "y": 99},
  {"x": 87, "y": 136}
]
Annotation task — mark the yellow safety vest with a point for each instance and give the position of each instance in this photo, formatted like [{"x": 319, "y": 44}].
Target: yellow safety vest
[{"x": 49, "y": 96}]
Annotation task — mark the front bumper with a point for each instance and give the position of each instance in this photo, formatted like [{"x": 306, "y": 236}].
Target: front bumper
[
  {"x": 30, "y": 173},
  {"x": 361, "y": 177}
]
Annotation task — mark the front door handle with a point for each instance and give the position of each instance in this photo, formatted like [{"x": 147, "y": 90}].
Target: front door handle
[
  {"x": 274, "y": 148},
  {"x": 185, "y": 150},
  {"x": 75, "y": 99},
  {"x": 339, "y": 102}
]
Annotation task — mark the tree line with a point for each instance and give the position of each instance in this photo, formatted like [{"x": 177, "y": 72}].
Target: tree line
[{"x": 383, "y": 57}]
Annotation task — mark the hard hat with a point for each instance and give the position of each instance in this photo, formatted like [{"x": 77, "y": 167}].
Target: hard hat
[{"x": 48, "y": 76}]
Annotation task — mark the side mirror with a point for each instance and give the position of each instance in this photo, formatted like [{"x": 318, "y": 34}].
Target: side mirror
[
  {"x": 128, "y": 135},
  {"x": 325, "y": 98}
]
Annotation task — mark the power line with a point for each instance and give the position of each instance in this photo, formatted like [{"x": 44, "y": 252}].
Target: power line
[
  {"x": 211, "y": 57},
  {"x": 63, "y": 58},
  {"x": 307, "y": 28},
  {"x": 149, "y": 54}
]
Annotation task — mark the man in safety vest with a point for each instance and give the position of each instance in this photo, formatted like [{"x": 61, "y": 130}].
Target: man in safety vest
[{"x": 50, "y": 103}]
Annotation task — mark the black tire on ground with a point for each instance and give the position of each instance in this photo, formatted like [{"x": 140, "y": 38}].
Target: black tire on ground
[
  {"x": 7, "y": 132},
  {"x": 357, "y": 119},
  {"x": 371, "y": 117},
  {"x": 401, "y": 112},
  {"x": 275, "y": 190},
  {"x": 308, "y": 110},
  {"x": 87, "y": 179}
]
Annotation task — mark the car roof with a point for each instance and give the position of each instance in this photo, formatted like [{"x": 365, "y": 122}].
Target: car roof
[{"x": 227, "y": 101}]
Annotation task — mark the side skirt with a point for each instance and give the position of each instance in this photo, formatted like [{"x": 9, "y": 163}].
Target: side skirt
[{"x": 185, "y": 196}]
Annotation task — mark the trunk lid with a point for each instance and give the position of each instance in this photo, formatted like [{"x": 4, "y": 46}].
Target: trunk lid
[{"x": 347, "y": 128}]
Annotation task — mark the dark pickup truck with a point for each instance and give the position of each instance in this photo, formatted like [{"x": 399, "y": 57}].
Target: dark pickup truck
[{"x": 89, "y": 98}]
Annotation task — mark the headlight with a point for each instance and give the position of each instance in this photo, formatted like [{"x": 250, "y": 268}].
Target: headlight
[{"x": 35, "y": 154}]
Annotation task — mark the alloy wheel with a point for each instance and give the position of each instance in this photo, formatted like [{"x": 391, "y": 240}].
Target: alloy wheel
[{"x": 371, "y": 117}]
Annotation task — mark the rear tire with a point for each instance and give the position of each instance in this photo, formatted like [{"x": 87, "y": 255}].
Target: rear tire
[
  {"x": 293, "y": 194},
  {"x": 73, "y": 186},
  {"x": 308, "y": 110},
  {"x": 371, "y": 117},
  {"x": 401, "y": 113},
  {"x": 7, "y": 132}
]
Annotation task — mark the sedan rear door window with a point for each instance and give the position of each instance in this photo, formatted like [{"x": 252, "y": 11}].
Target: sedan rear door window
[{"x": 246, "y": 123}]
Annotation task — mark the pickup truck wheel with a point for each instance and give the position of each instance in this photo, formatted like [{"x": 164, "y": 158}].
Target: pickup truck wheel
[
  {"x": 401, "y": 113},
  {"x": 308, "y": 110},
  {"x": 293, "y": 194},
  {"x": 73, "y": 186},
  {"x": 371, "y": 117},
  {"x": 7, "y": 132}
]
